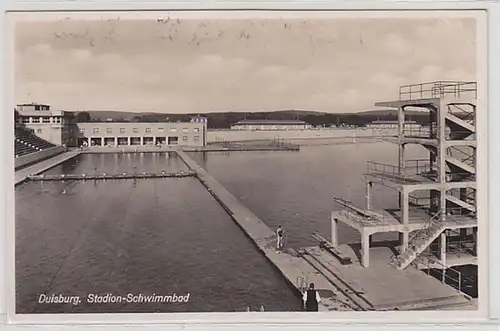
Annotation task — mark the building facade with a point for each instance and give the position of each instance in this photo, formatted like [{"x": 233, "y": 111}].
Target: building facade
[
  {"x": 270, "y": 125},
  {"x": 125, "y": 133},
  {"x": 59, "y": 127},
  {"x": 46, "y": 123}
]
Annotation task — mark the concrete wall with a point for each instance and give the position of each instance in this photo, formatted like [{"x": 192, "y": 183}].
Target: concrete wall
[
  {"x": 47, "y": 131},
  {"x": 241, "y": 135},
  {"x": 37, "y": 156}
]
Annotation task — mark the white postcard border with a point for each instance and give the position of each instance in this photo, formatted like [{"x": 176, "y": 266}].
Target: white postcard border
[{"x": 304, "y": 318}]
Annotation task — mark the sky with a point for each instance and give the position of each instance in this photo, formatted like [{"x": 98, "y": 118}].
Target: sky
[{"x": 199, "y": 66}]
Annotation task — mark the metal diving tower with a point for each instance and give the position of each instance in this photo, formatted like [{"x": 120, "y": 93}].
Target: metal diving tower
[{"x": 436, "y": 217}]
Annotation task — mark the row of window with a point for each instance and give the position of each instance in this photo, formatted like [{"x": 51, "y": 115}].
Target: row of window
[
  {"x": 43, "y": 119},
  {"x": 136, "y": 130},
  {"x": 184, "y": 138}
]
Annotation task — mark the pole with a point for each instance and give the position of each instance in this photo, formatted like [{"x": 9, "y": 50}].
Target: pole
[{"x": 459, "y": 281}]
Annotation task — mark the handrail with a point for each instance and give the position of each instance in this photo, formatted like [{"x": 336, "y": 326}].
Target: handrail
[
  {"x": 408, "y": 171},
  {"x": 436, "y": 89},
  {"x": 444, "y": 268},
  {"x": 468, "y": 156},
  {"x": 429, "y": 223},
  {"x": 468, "y": 115}
]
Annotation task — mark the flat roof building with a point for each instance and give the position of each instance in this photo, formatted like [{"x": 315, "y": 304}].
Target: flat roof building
[
  {"x": 150, "y": 133},
  {"x": 270, "y": 125}
]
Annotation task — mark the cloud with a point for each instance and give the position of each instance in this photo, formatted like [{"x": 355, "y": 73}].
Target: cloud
[
  {"x": 430, "y": 73},
  {"x": 397, "y": 45},
  {"x": 81, "y": 54},
  {"x": 460, "y": 74},
  {"x": 40, "y": 50},
  {"x": 330, "y": 65}
]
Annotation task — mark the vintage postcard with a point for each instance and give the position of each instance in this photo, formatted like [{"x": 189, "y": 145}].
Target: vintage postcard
[{"x": 182, "y": 162}]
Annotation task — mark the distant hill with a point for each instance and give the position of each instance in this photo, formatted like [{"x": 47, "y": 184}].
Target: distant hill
[
  {"x": 390, "y": 112},
  {"x": 104, "y": 114},
  {"x": 226, "y": 119},
  {"x": 111, "y": 114}
]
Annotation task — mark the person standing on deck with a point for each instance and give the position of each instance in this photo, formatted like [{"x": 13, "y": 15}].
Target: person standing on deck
[
  {"x": 279, "y": 237},
  {"x": 311, "y": 298}
]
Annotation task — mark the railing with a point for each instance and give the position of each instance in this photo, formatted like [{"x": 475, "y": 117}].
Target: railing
[
  {"x": 459, "y": 135},
  {"x": 358, "y": 215},
  {"x": 422, "y": 233},
  {"x": 363, "y": 220},
  {"x": 411, "y": 169},
  {"x": 430, "y": 263},
  {"x": 462, "y": 212},
  {"x": 434, "y": 221},
  {"x": 420, "y": 132},
  {"x": 466, "y": 158},
  {"x": 460, "y": 176},
  {"x": 426, "y": 132},
  {"x": 468, "y": 116},
  {"x": 430, "y": 222},
  {"x": 437, "y": 89},
  {"x": 418, "y": 164},
  {"x": 471, "y": 195},
  {"x": 282, "y": 143},
  {"x": 416, "y": 200},
  {"x": 461, "y": 247}
]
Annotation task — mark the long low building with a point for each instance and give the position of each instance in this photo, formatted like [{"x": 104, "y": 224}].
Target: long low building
[
  {"x": 59, "y": 127},
  {"x": 270, "y": 125},
  {"x": 164, "y": 133}
]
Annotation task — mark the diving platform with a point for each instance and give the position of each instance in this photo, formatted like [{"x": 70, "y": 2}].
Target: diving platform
[
  {"x": 386, "y": 220},
  {"x": 431, "y": 93},
  {"x": 105, "y": 176},
  {"x": 414, "y": 232},
  {"x": 410, "y": 102}
]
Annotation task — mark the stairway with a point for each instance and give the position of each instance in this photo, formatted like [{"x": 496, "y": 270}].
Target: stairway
[
  {"x": 460, "y": 203},
  {"x": 460, "y": 164},
  {"x": 460, "y": 122},
  {"x": 417, "y": 244}
]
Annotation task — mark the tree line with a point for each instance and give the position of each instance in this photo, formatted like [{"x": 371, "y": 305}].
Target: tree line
[{"x": 225, "y": 120}]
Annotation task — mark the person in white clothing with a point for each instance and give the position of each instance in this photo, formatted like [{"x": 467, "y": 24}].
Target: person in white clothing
[{"x": 279, "y": 237}]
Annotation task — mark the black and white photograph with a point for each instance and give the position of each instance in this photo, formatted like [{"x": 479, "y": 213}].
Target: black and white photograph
[{"x": 288, "y": 162}]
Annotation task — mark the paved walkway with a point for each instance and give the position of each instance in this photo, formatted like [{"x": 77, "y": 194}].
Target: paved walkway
[
  {"x": 384, "y": 286},
  {"x": 40, "y": 167}
]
